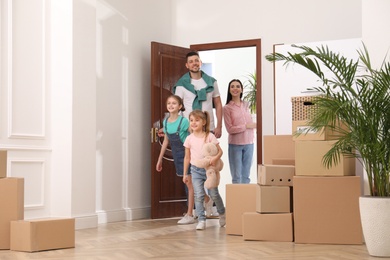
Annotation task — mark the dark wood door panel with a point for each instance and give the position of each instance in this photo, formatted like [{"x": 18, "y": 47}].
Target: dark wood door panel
[{"x": 168, "y": 194}]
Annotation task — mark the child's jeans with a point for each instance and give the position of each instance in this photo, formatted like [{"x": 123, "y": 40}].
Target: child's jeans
[{"x": 198, "y": 179}]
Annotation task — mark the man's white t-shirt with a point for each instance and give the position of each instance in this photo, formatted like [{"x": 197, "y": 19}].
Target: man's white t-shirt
[{"x": 188, "y": 98}]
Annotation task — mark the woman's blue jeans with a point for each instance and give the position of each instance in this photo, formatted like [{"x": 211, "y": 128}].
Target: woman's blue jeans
[
  {"x": 240, "y": 162},
  {"x": 198, "y": 179}
]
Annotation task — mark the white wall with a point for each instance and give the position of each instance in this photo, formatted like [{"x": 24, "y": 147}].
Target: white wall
[
  {"x": 125, "y": 30},
  {"x": 72, "y": 81},
  {"x": 84, "y": 109},
  {"x": 60, "y": 82},
  {"x": 150, "y": 20},
  {"x": 112, "y": 33},
  {"x": 375, "y": 20}
]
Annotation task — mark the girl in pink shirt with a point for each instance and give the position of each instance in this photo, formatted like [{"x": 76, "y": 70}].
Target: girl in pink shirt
[
  {"x": 200, "y": 128},
  {"x": 240, "y": 126}
]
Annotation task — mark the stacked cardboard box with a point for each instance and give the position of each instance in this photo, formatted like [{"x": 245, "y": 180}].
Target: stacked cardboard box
[
  {"x": 33, "y": 235},
  {"x": 309, "y": 160},
  {"x": 303, "y": 109},
  {"x": 11, "y": 207},
  {"x": 263, "y": 212},
  {"x": 268, "y": 227},
  {"x": 3, "y": 163},
  {"x": 326, "y": 210},
  {"x": 11, "y": 201},
  {"x": 274, "y": 188},
  {"x": 240, "y": 198},
  {"x": 326, "y": 200},
  {"x": 310, "y": 147},
  {"x": 272, "y": 220},
  {"x": 279, "y": 150},
  {"x": 243, "y": 219},
  {"x": 42, "y": 234}
]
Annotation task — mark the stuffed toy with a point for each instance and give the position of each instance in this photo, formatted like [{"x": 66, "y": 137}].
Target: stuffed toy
[{"x": 212, "y": 171}]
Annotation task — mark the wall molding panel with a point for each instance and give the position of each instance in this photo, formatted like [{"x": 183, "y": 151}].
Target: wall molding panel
[
  {"x": 14, "y": 147},
  {"x": 33, "y": 172},
  {"x": 26, "y": 69}
]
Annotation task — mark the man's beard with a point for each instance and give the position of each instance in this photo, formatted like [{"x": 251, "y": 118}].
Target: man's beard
[{"x": 195, "y": 70}]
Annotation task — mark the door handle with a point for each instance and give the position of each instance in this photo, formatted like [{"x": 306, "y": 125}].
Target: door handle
[{"x": 153, "y": 134}]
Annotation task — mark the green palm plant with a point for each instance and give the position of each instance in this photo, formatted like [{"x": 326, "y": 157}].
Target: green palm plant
[
  {"x": 355, "y": 93},
  {"x": 250, "y": 89}
]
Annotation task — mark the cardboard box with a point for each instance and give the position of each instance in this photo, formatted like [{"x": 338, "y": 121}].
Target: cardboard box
[
  {"x": 301, "y": 126},
  {"x": 268, "y": 227},
  {"x": 11, "y": 206},
  {"x": 42, "y": 234},
  {"x": 3, "y": 163},
  {"x": 278, "y": 147},
  {"x": 308, "y": 160},
  {"x": 326, "y": 210},
  {"x": 276, "y": 175},
  {"x": 303, "y": 107},
  {"x": 273, "y": 199},
  {"x": 240, "y": 198},
  {"x": 283, "y": 161}
]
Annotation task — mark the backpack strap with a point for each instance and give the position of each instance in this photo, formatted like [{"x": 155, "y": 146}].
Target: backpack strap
[
  {"x": 179, "y": 126},
  {"x": 165, "y": 124}
]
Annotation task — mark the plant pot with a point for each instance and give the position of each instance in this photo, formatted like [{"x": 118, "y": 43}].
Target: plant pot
[{"x": 375, "y": 217}]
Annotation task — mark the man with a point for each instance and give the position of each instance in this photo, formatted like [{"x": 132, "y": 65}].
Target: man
[{"x": 200, "y": 91}]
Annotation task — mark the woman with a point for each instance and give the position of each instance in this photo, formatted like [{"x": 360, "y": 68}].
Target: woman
[{"x": 240, "y": 126}]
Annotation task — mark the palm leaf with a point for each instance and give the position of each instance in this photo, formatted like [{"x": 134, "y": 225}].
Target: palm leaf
[{"x": 250, "y": 92}]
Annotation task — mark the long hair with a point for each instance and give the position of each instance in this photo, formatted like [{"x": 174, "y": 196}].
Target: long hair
[
  {"x": 205, "y": 117},
  {"x": 229, "y": 96},
  {"x": 178, "y": 99}
]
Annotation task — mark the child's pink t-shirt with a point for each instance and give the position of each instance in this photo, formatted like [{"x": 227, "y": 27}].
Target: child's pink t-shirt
[{"x": 195, "y": 145}]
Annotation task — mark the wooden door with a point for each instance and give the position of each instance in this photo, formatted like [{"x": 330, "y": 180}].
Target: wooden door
[{"x": 168, "y": 194}]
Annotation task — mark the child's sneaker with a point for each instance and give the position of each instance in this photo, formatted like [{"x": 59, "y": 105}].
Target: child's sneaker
[
  {"x": 222, "y": 220},
  {"x": 215, "y": 213},
  {"x": 209, "y": 208},
  {"x": 201, "y": 225},
  {"x": 187, "y": 219}
]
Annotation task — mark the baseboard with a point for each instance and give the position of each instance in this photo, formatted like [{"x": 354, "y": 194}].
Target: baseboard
[
  {"x": 137, "y": 213},
  {"x": 83, "y": 222},
  {"x": 111, "y": 216},
  {"x": 102, "y": 217}
]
